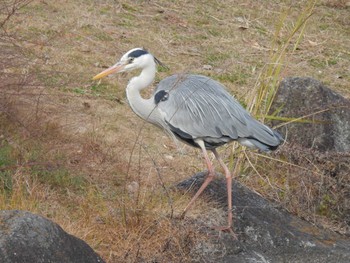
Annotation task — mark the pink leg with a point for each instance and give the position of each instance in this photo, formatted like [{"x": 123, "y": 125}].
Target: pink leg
[
  {"x": 229, "y": 193},
  {"x": 207, "y": 180}
]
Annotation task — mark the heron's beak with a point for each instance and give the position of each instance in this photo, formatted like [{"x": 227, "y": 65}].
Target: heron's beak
[{"x": 114, "y": 69}]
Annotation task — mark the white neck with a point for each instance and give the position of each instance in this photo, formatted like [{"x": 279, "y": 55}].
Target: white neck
[{"x": 142, "y": 107}]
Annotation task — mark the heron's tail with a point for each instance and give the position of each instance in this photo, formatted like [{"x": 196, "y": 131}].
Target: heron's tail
[{"x": 265, "y": 140}]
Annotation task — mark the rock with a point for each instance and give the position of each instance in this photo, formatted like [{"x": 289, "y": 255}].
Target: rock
[
  {"x": 333, "y": 177},
  {"x": 266, "y": 233},
  {"x": 25, "y": 237},
  {"x": 299, "y": 97}
]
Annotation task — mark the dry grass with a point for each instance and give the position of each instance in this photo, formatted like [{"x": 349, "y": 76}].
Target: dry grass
[{"x": 73, "y": 150}]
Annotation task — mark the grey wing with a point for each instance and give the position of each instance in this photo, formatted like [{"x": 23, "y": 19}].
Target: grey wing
[{"x": 195, "y": 106}]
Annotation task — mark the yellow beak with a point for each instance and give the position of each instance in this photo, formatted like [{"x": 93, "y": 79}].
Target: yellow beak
[{"x": 114, "y": 69}]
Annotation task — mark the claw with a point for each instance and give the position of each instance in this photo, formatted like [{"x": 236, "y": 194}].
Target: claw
[{"x": 226, "y": 229}]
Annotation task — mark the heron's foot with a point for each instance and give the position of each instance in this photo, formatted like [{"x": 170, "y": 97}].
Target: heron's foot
[{"x": 227, "y": 229}]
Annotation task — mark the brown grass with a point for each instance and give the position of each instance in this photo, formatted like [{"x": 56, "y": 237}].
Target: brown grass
[{"x": 77, "y": 154}]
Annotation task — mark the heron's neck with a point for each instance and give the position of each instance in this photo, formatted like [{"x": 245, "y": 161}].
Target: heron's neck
[{"x": 142, "y": 107}]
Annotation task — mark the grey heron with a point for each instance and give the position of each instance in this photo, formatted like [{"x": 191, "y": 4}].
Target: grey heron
[{"x": 196, "y": 110}]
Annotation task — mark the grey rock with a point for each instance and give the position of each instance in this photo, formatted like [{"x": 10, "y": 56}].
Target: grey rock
[
  {"x": 299, "y": 97},
  {"x": 266, "y": 233},
  {"x": 25, "y": 237}
]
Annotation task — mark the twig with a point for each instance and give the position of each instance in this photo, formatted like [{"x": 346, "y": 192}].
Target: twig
[{"x": 170, "y": 201}]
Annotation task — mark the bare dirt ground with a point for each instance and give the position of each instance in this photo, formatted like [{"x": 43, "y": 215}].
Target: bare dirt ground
[{"x": 72, "y": 149}]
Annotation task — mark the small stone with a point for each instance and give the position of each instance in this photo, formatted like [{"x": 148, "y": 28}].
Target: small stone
[
  {"x": 207, "y": 67},
  {"x": 169, "y": 157},
  {"x": 133, "y": 188}
]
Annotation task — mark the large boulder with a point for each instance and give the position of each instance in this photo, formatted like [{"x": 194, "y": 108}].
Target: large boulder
[
  {"x": 266, "y": 233},
  {"x": 25, "y": 237},
  {"x": 330, "y": 131}
]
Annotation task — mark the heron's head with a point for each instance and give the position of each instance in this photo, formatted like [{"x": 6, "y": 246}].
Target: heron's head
[{"x": 137, "y": 58}]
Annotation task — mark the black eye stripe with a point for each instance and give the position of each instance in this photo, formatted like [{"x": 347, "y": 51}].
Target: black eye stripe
[{"x": 137, "y": 53}]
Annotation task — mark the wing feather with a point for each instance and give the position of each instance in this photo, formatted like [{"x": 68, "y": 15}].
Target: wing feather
[{"x": 201, "y": 107}]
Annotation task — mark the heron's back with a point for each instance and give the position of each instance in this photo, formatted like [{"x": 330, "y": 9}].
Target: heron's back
[{"x": 196, "y": 106}]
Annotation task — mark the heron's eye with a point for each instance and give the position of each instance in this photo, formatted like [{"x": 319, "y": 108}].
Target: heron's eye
[{"x": 131, "y": 60}]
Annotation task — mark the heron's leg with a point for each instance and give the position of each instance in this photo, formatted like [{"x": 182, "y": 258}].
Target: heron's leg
[
  {"x": 207, "y": 180},
  {"x": 229, "y": 190}
]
